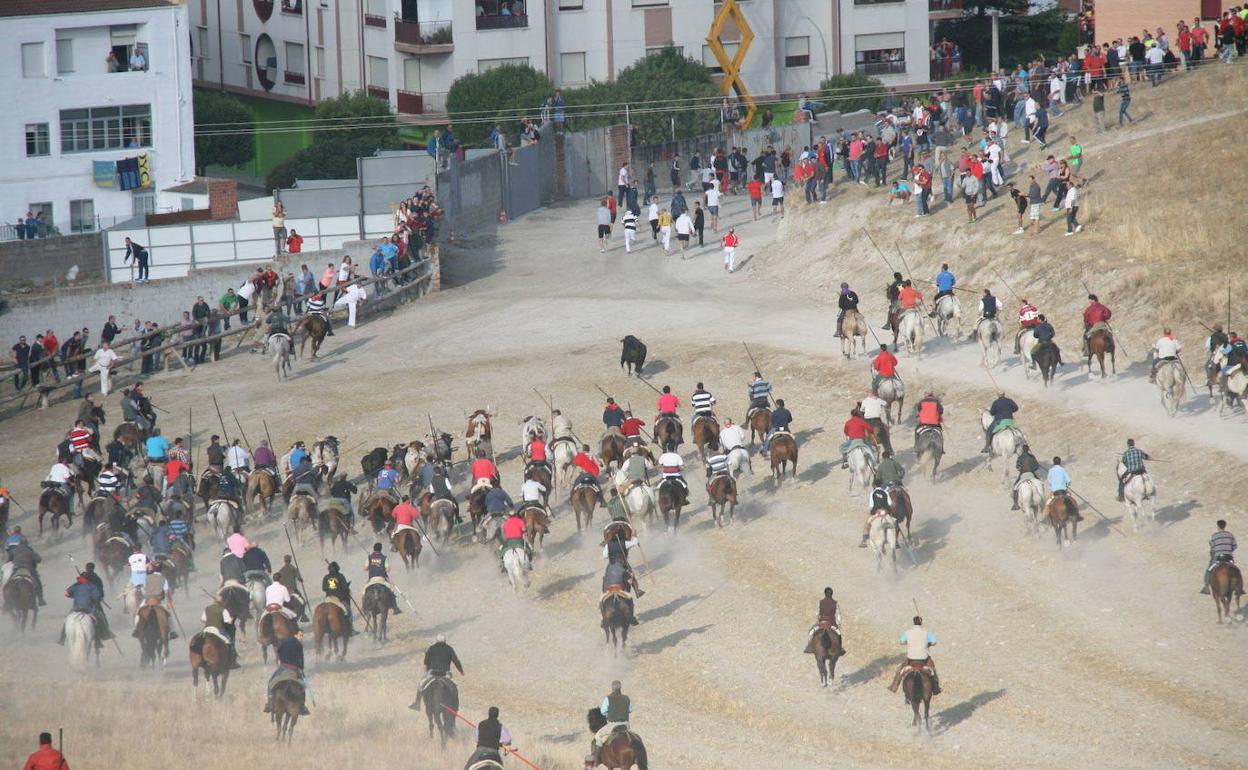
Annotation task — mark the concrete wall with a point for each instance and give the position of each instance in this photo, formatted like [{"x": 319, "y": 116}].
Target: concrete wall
[
  {"x": 46, "y": 261},
  {"x": 387, "y": 179},
  {"x": 1120, "y": 19},
  {"x": 471, "y": 193}
]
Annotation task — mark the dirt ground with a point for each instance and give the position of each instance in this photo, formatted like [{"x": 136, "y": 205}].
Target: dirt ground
[{"x": 1101, "y": 654}]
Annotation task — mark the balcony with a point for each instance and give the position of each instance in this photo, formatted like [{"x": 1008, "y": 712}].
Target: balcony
[
  {"x": 882, "y": 68},
  {"x": 430, "y": 37},
  {"x": 944, "y": 9},
  {"x": 431, "y": 107},
  {"x": 379, "y": 92},
  {"x": 295, "y": 78},
  {"x": 371, "y": 20},
  {"x": 505, "y": 21},
  {"x": 292, "y": 7},
  {"x": 411, "y": 102}
]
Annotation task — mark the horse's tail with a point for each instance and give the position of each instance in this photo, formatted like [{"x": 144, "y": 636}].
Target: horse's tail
[{"x": 639, "y": 755}]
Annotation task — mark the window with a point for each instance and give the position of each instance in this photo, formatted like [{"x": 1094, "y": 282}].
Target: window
[
  {"x": 572, "y": 67},
  {"x": 379, "y": 71},
  {"x": 64, "y": 56},
  {"x": 142, "y": 203},
  {"x": 201, "y": 43},
  {"x": 876, "y": 2},
  {"x": 376, "y": 8},
  {"x": 82, "y": 216},
  {"x": 880, "y": 54},
  {"x": 37, "y": 142},
  {"x": 711, "y": 63},
  {"x": 294, "y": 58},
  {"x": 32, "y": 60},
  {"x": 319, "y": 61},
  {"x": 484, "y": 65},
  {"x": 571, "y": 5},
  {"x": 797, "y": 52},
  {"x": 244, "y": 44},
  {"x": 648, "y": 3},
  {"x": 106, "y": 128},
  {"x": 42, "y": 210},
  {"x": 679, "y": 49},
  {"x": 411, "y": 74}
]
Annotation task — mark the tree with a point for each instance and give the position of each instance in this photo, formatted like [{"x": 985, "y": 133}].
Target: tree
[
  {"x": 236, "y": 144},
  {"x": 853, "y": 91},
  {"x": 349, "y": 126},
  {"x": 668, "y": 75},
  {"x": 980, "y": 8},
  {"x": 1023, "y": 38},
  {"x": 499, "y": 95}
]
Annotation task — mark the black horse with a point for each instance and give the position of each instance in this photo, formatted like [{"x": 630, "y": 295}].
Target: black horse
[
  {"x": 373, "y": 462},
  {"x": 633, "y": 355},
  {"x": 1047, "y": 357}
]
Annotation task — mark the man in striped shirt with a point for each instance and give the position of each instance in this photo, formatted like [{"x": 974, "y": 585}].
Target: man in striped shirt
[
  {"x": 1221, "y": 549},
  {"x": 80, "y": 439},
  {"x": 1132, "y": 465},
  {"x": 316, "y": 306},
  {"x": 703, "y": 402},
  {"x": 760, "y": 392},
  {"x": 107, "y": 481}
]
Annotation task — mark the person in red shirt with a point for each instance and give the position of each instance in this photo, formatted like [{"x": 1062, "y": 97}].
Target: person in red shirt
[
  {"x": 1028, "y": 315},
  {"x": 756, "y": 196},
  {"x": 513, "y": 536},
  {"x": 908, "y": 296},
  {"x": 174, "y": 468},
  {"x": 1096, "y": 313},
  {"x": 46, "y": 758},
  {"x": 484, "y": 473},
  {"x": 405, "y": 513},
  {"x": 856, "y": 429},
  {"x": 586, "y": 463},
  {"x": 923, "y": 191},
  {"x": 632, "y": 425},
  {"x": 884, "y": 365},
  {"x": 80, "y": 437},
  {"x": 668, "y": 403},
  {"x": 537, "y": 451},
  {"x": 294, "y": 242}
]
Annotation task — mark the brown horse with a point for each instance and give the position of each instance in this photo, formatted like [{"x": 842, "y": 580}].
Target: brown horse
[
  {"x": 1062, "y": 512},
  {"x": 21, "y": 601},
  {"x": 782, "y": 450},
  {"x": 622, "y": 750},
  {"x": 672, "y": 498},
  {"x": 854, "y": 330},
  {"x": 536, "y": 525},
  {"x": 379, "y": 510},
  {"x": 132, "y": 437},
  {"x": 1224, "y": 582},
  {"x": 828, "y": 649},
  {"x": 900, "y": 507},
  {"x": 617, "y": 618},
  {"x": 705, "y": 433},
  {"x": 723, "y": 498},
  {"x": 52, "y": 502},
  {"x": 918, "y": 688},
  {"x": 440, "y": 514},
  {"x": 542, "y": 474},
  {"x": 272, "y": 629},
  {"x": 98, "y": 510},
  {"x": 407, "y": 543},
  {"x": 584, "y": 499},
  {"x": 329, "y": 620},
  {"x": 611, "y": 449},
  {"x": 476, "y": 506},
  {"x": 1101, "y": 342},
  {"x": 112, "y": 553},
  {"x": 210, "y": 653},
  {"x": 760, "y": 422},
  {"x": 152, "y": 629},
  {"x": 288, "y": 699},
  {"x": 262, "y": 487},
  {"x": 669, "y": 433},
  {"x": 302, "y": 512},
  {"x": 332, "y": 525},
  {"x": 178, "y": 569},
  {"x": 313, "y": 327}
]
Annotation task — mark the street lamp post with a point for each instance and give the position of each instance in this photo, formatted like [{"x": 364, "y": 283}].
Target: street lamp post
[{"x": 827, "y": 73}]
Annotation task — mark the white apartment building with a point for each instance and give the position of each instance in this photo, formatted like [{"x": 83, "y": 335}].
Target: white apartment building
[
  {"x": 89, "y": 83},
  {"x": 410, "y": 51}
]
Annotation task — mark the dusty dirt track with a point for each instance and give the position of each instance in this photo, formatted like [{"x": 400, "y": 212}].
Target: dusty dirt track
[{"x": 1099, "y": 655}]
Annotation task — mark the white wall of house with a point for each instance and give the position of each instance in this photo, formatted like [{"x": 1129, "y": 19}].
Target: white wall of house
[{"x": 887, "y": 26}]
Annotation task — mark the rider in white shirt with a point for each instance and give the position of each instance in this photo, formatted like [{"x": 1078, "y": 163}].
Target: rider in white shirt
[
  {"x": 138, "y": 568},
  {"x": 1166, "y": 348},
  {"x": 237, "y": 458},
  {"x": 63, "y": 475},
  {"x": 731, "y": 436},
  {"x": 276, "y": 593},
  {"x": 531, "y": 492}
]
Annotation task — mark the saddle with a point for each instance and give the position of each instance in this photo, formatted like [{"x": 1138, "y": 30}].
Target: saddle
[
  {"x": 379, "y": 581},
  {"x": 285, "y": 675},
  {"x": 749, "y": 416},
  {"x": 1001, "y": 425},
  {"x": 614, "y": 590},
  {"x": 699, "y": 417},
  {"x": 334, "y": 600},
  {"x": 530, "y": 464}
]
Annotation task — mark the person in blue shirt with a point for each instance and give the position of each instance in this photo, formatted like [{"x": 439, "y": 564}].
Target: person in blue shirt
[
  {"x": 157, "y": 447},
  {"x": 161, "y": 540},
  {"x": 377, "y": 262},
  {"x": 781, "y": 418},
  {"x": 944, "y": 283},
  {"x": 1059, "y": 478},
  {"x": 390, "y": 253},
  {"x": 387, "y": 479},
  {"x": 297, "y": 454}
]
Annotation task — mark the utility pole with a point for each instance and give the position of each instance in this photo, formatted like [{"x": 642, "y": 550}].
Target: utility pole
[{"x": 996, "y": 40}]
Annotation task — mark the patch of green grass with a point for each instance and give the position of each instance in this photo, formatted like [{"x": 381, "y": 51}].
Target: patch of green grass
[{"x": 273, "y": 147}]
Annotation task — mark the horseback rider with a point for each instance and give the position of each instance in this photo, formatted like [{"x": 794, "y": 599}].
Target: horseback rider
[
  {"x": 1044, "y": 333},
  {"x": 889, "y": 473},
  {"x": 846, "y": 301},
  {"x": 161, "y": 541},
  {"x": 297, "y": 453},
  {"x": 107, "y": 483},
  {"x": 1234, "y": 352},
  {"x": 228, "y": 485},
  {"x": 88, "y": 598},
  {"x": 612, "y": 415},
  {"x": 619, "y": 575},
  {"x": 1214, "y": 343},
  {"x": 336, "y": 585},
  {"x": 781, "y": 418},
  {"x": 305, "y": 478},
  {"x": 230, "y": 566},
  {"x": 671, "y": 466},
  {"x": 289, "y": 658},
  {"x": 536, "y": 450},
  {"x": 277, "y": 598},
  {"x": 80, "y": 439},
  {"x": 218, "y": 620},
  {"x": 387, "y": 480},
  {"x": 615, "y": 505},
  {"x": 376, "y": 567},
  {"x": 716, "y": 464},
  {"x": 1059, "y": 484},
  {"x": 909, "y": 297},
  {"x": 631, "y": 427},
  {"x": 668, "y": 404},
  {"x": 560, "y": 427},
  {"x": 316, "y": 306},
  {"x": 618, "y": 709},
  {"x": 264, "y": 457},
  {"x": 1166, "y": 348},
  {"x": 531, "y": 493},
  {"x": 1001, "y": 409},
  {"x": 237, "y": 458},
  {"x": 62, "y": 477},
  {"x": 1132, "y": 465},
  {"x": 856, "y": 429},
  {"x": 440, "y": 489},
  {"x": 588, "y": 467},
  {"x": 873, "y": 409},
  {"x": 484, "y": 472},
  {"x": 156, "y": 593},
  {"x": 216, "y": 454},
  {"x": 1026, "y": 463},
  {"x": 759, "y": 392},
  {"x": 23, "y": 557},
  {"x": 829, "y": 617},
  {"x": 497, "y": 502},
  {"x": 884, "y": 365},
  {"x": 703, "y": 402},
  {"x": 277, "y": 321},
  {"x": 144, "y": 410},
  {"x": 944, "y": 284},
  {"x": 1221, "y": 551},
  {"x": 731, "y": 435},
  {"x": 340, "y": 497},
  {"x": 490, "y": 735},
  {"x": 892, "y": 292},
  {"x": 880, "y": 507},
  {"x": 439, "y": 658},
  {"x": 1094, "y": 314},
  {"x": 918, "y": 642},
  {"x": 1028, "y": 318},
  {"x": 987, "y": 305},
  {"x": 289, "y": 576},
  {"x": 513, "y": 537},
  {"x": 931, "y": 414}
]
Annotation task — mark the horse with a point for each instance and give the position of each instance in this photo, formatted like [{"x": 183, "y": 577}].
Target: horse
[
  {"x": 669, "y": 433},
  {"x": 1062, "y": 511},
  {"x": 989, "y": 332},
  {"x": 632, "y": 355},
  {"x": 53, "y": 502},
  {"x": 1005, "y": 445},
  {"x": 1139, "y": 493},
  {"x": 407, "y": 542},
  {"x": 379, "y": 511},
  {"x": 892, "y": 390},
  {"x": 901, "y": 508},
  {"x": 438, "y": 512},
  {"x": 672, "y": 498},
  {"x": 782, "y": 450},
  {"x": 1047, "y": 357},
  {"x": 739, "y": 462},
  {"x": 373, "y": 462},
  {"x": 516, "y": 564},
  {"x": 531, "y": 427},
  {"x": 132, "y": 436},
  {"x": 722, "y": 491},
  {"x": 949, "y": 313},
  {"x": 617, "y": 618},
  {"x": 1171, "y": 380},
  {"x": 152, "y": 627},
  {"x": 21, "y": 601},
  {"x": 80, "y": 639},
  {"x": 862, "y": 464},
  {"x": 760, "y": 422},
  {"x": 827, "y": 648},
  {"x": 477, "y": 435},
  {"x": 541, "y": 473},
  {"x": 209, "y": 652},
  {"x": 324, "y": 455},
  {"x": 622, "y": 749},
  {"x": 536, "y": 524},
  {"x": 237, "y": 601},
  {"x": 705, "y": 429},
  {"x": 584, "y": 499},
  {"x": 279, "y": 351},
  {"x": 112, "y": 552},
  {"x": 302, "y": 512},
  {"x": 611, "y": 449},
  {"x": 1234, "y": 390},
  {"x": 101, "y": 508},
  {"x": 225, "y": 515},
  {"x": 438, "y": 696},
  {"x": 1099, "y": 343},
  {"x": 929, "y": 447},
  {"x": 288, "y": 699},
  {"x": 882, "y": 536},
  {"x": 1030, "y": 491},
  {"x": 313, "y": 327},
  {"x": 1225, "y": 581},
  {"x": 262, "y": 487},
  {"x": 640, "y": 499},
  {"x": 854, "y": 329},
  {"x": 333, "y": 526},
  {"x": 917, "y": 686},
  {"x": 1024, "y": 341},
  {"x": 910, "y": 331},
  {"x": 379, "y": 600},
  {"x": 561, "y": 452},
  {"x": 329, "y": 621},
  {"x": 272, "y": 629}
]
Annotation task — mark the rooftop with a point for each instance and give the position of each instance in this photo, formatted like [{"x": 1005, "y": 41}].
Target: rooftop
[{"x": 49, "y": 7}]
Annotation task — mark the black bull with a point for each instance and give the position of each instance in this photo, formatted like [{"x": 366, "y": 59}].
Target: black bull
[{"x": 633, "y": 355}]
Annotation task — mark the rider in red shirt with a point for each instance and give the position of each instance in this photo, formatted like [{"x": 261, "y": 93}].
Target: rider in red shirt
[
  {"x": 513, "y": 528},
  {"x": 537, "y": 451},
  {"x": 1095, "y": 313},
  {"x": 1028, "y": 315},
  {"x": 405, "y": 513},
  {"x": 884, "y": 365},
  {"x": 632, "y": 425},
  {"x": 482, "y": 468},
  {"x": 668, "y": 403},
  {"x": 585, "y": 462},
  {"x": 909, "y": 296},
  {"x": 856, "y": 428},
  {"x": 173, "y": 469}
]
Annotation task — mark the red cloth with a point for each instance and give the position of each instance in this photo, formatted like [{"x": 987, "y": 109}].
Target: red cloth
[
  {"x": 856, "y": 427},
  {"x": 909, "y": 296},
  {"x": 405, "y": 513},
  {"x": 885, "y": 363},
  {"x": 51, "y": 344},
  {"x": 482, "y": 468},
  {"x": 586, "y": 463},
  {"x": 46, "y": 758},
  {"x": 756, "y": 189},
  {"x": 1096, "y": 313},
  {"x": 632, "y": 426},
  {"x": 173, "y": 469},
  {"x": 731, "y": 239},
  {"x": 294, "y": 244},
  {"x": 513, "y": 528},
  {"x": 668, "y": 403},
  {"x": 923, "y": 179},
  {"x": 1027, "y": 316},
  {"x": 929, "y": 412},
  {"x": 79, "y": 439},
  {"x": 537, "y": 450}
]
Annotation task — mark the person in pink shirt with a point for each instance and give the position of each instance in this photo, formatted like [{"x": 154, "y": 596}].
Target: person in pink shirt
[
  {"x": 537, "y": 450},
  {"x": 405, "y": 514},
  {"x": 668, "y": 403},
  {"x": 855, "y": 158}
]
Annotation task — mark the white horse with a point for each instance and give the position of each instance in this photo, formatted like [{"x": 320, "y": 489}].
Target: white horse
[
  {"x": 80, "y": 639},
  {"x": 989, "y": 332},
  {"x": 1030, "y": 499},
  {"x": 910, "y": 331},
  {"x": 1172, "y": 382},
  {"x": 949, "y": 313},
  {"x": 1006, "y": 444},
  {"x": 1026, "y": 341},
  {"x": 640, "y": 500},
  {"x": 478, "y": 426},
  {"x": 324, "y": 456},
  {"x": 516, "y": 562},
  {"x": 739, "y": 462},
  {"x": 1140, "y": 496},
  {"x": 883, "y": 539},
  {"x": 563, "y": 452},
  {"x": 279, "y": 351},
  {"x": 854, "y": 331},
  {"x": 531, "y": 428},
  {"x": 892, "y": 390},
  {"x": 861, "y": 467},
  {"x": 222, "y": 514},
  {"x": 255, "y": 588}
]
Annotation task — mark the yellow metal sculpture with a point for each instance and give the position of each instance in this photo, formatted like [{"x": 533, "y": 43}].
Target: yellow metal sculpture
[{"x": 732, "y": 67}]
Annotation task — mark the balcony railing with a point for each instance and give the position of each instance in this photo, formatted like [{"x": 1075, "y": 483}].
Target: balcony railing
[
  {"x": 416, "y": 103},
  {"x": 938, "y": 6},
  {"x": 514, "y": 21},
  {"x": 374, "y": 21},
  {"x": 423, "y": 37},
  {"x": 379, "y": 92},
  {"x": 883, "y": 68},
  {"x": 294, "y": 77}
]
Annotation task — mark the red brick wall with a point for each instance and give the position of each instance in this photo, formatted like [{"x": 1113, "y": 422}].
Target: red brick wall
[
  {"x": 223, "y": 198},
  {"x": 1123, "y": 18}
]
